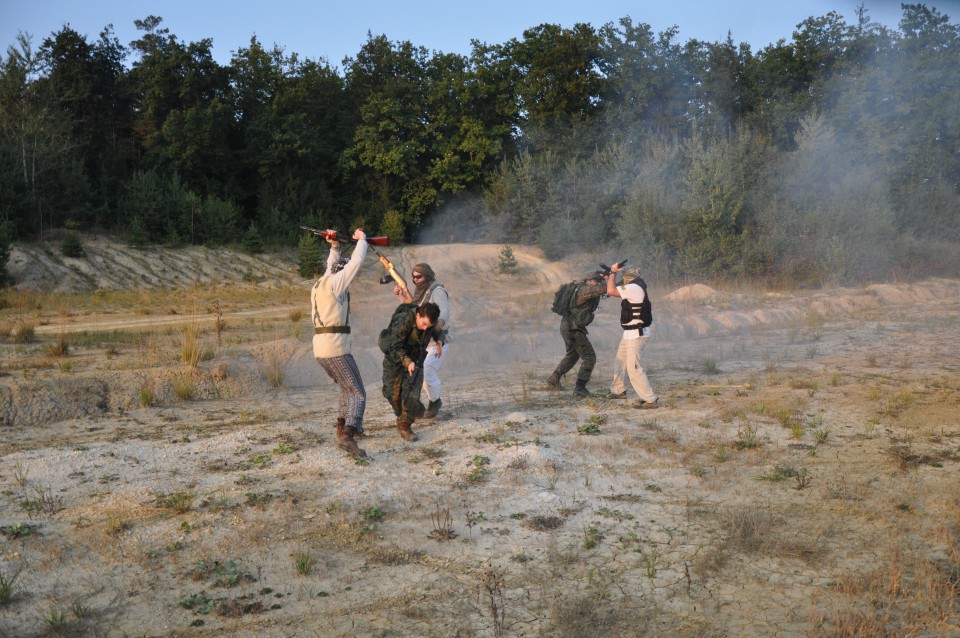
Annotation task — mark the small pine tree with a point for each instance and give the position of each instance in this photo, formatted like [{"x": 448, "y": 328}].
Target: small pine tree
[
  {"x": 508, "y": 263},
  {"x": 172, "y": 237},
  {"x": 71, "y": 246},
  {"x": 137, "y": 235},
  {"x": 309, "y": 257},
  {"x": 252, "y": 242}
]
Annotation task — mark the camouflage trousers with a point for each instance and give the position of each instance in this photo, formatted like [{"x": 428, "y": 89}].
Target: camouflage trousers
[
  {"x": 579, "y": 348},
  {"x": 402, "y": 390}
]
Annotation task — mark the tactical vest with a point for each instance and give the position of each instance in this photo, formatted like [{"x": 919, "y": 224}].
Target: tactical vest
[{"x": 630, "y": 313}]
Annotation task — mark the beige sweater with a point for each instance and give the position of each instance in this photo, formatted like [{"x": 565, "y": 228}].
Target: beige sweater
[{"x": 330, "y": 304}]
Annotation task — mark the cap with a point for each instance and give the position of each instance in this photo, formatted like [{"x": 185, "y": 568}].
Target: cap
[{"x": 631, "y": 274}]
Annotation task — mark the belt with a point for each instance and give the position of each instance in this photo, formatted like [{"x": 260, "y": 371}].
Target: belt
[{"x": 323, "y": 330}]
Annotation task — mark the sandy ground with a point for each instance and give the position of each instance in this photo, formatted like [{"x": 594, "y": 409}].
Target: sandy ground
[{"x": 801, "y": 478}]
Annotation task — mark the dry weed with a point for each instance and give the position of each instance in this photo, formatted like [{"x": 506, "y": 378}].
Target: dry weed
[
  {"x": 274, "y": 362},
  {"x": 753, "y": 530},
  {"x": 190, "y": 344},
  {"x": 907, "y": 594}
]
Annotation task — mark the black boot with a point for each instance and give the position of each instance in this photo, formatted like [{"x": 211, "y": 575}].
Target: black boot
[
  {"x": 554, "y": 380},
  {"x": 581, "y": 389},
  {"x": 433, "y": 409}
]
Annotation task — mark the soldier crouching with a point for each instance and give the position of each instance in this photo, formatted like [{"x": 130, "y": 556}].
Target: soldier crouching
[{"x": 407, "y": 338}]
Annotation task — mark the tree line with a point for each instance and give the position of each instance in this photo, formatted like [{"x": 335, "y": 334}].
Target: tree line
[{"x": 833, "y": 157}]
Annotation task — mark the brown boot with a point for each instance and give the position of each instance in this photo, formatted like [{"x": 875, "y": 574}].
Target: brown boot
[
  {"x": 554, "y": 380},
  {"x": 341, "y": 423},
  {"x": 346, "y": 443},
  {"x": 406, "y": 432}
]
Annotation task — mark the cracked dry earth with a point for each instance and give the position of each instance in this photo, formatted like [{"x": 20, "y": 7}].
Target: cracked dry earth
[{"x": 801, "y": 478}]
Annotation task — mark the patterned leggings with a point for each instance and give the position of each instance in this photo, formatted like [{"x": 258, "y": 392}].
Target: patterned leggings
[{"x": 353, "y": 398}]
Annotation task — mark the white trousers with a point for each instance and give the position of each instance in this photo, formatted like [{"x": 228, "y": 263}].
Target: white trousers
[
  {"x": 628, "y": 366},
  {"x": 431, "y": 371}
]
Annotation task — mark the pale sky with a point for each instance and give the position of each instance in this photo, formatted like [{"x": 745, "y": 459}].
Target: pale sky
[{"x": 335, "y": 30}]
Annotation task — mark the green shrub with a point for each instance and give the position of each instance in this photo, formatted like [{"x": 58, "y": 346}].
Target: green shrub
[
  {"x": 71, "y": 246},
  {"x": 309, "y": 257},
  {"x": 507, "y": 263},
  {"x": 252, "y": 242}
]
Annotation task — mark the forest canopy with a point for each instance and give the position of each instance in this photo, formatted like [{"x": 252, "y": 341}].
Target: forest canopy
[{"x": 830, "y": 158}]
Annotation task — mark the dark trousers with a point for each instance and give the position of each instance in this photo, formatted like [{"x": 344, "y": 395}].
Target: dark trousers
[
  {"x": 402, "y": 390},
  {"x": 579, "y": 348}
]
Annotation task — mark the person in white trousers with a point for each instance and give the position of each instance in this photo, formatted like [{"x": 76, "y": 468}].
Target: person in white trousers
[{"x": 633, "y": 294}]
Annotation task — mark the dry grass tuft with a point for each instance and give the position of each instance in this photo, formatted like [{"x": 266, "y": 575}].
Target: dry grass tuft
[
  {"x": 22, "y": 333},
  {"x": 909, "y": 595},
  {"x": 752, "y": 530},
  {"x": 274, "y": 362},
  {"x": 541, "y": 523},
  {"x": 190, "y": 344}
]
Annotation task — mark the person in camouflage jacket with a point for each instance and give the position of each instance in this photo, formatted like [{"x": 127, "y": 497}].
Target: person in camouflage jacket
[
  {"x": 408, "y": 336},
  {"x": 573, "y": 329}
]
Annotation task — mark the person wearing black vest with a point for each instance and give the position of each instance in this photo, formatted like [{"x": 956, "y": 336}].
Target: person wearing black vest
[{"x": 635, "y": 318}]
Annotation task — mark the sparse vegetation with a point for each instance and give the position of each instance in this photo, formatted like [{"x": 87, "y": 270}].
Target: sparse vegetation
[
  {"x": 303, "y": 561},
  {"x": 20, "y": 473},
  {"x": 442, "y": 524},
  {"x": 591, "y": 537},
  {"x": 180, "y": 501},
  {"x": 184, "y": 388},
  {"x": 726, "y": 485},
  {"x": 275, "y": 361},
  {"x": 8, "y": 580},
  {"x": 22, "y": 333},
  {"x": 219, "y": 325},
  {"x": 747, "y": 438},
  {"x": 710, "y": 366},
  {"x": 146, "y": 394},
  {"x": 190, "y": 345}
]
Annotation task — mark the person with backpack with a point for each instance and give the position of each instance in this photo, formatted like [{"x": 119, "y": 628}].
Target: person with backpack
[
  {"x": 636, "y": 315},
  {"x": 404, "y": 345},
  {"x": 577, "y": 302},
  {"x": 330, "y": 313},
  {"x": 428, "y": 289}
]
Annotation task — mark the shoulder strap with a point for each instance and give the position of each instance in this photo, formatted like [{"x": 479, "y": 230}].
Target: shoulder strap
[{"x": 429, "y": 292}]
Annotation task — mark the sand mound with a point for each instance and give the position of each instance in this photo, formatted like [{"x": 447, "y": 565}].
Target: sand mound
[{"x": 695, "y": 293}]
